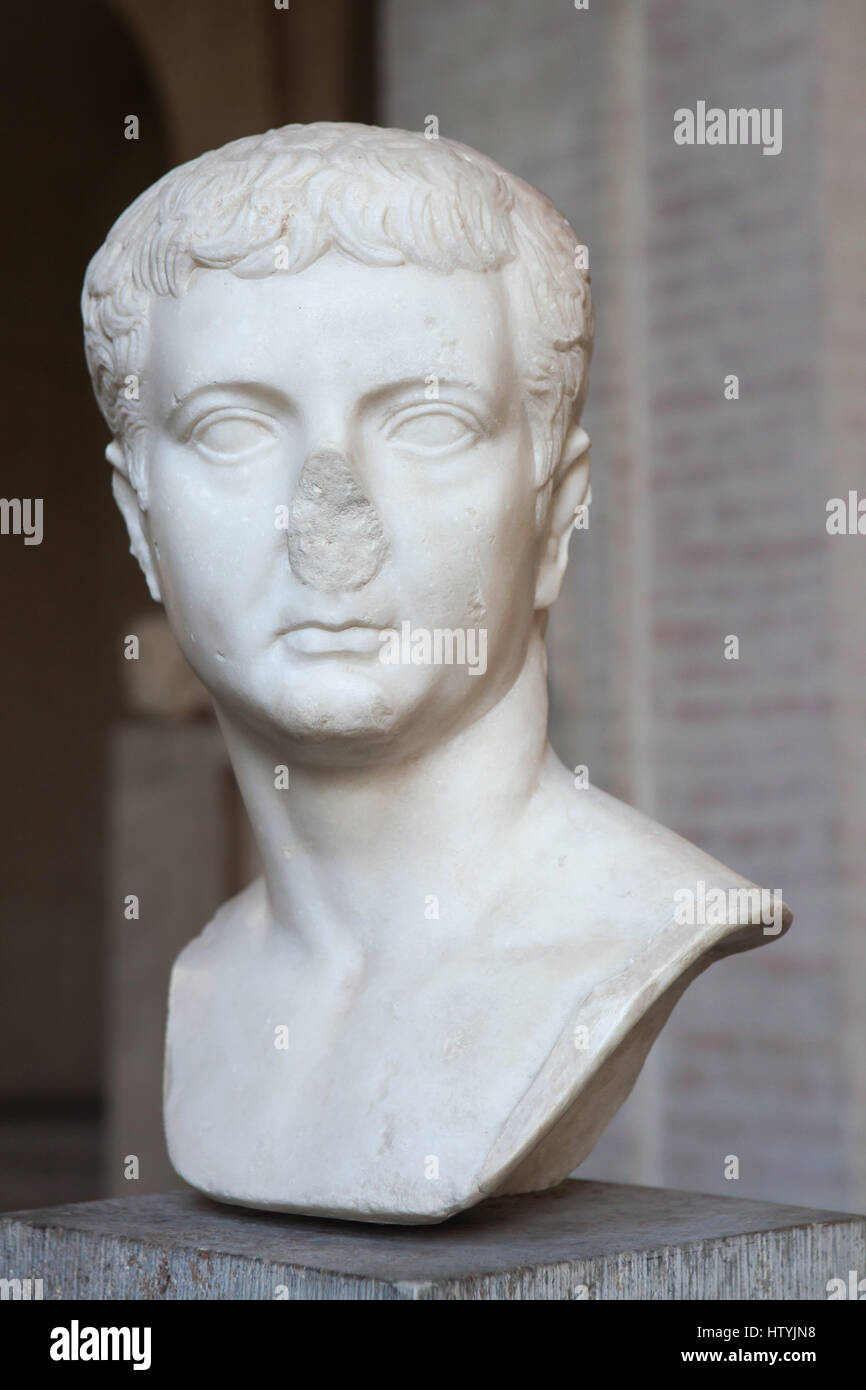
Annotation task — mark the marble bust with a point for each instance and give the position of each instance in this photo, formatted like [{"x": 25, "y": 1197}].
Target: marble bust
[{"x": 343, "y": 369}]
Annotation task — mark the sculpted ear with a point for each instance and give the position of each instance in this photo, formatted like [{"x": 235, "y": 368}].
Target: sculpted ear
[
  {"x": 127, "y": 500},
  {"x": 570, "y": 490}
]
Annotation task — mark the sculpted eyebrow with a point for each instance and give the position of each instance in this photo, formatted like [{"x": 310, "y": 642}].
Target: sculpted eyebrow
[
  {"x": 257, "y": 389},
  {"x": 420, "y": 383},
  {"x": 415, "y": 388}
]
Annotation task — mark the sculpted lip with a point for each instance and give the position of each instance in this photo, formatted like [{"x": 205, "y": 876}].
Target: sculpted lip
[{"x": 328, "y": 639}]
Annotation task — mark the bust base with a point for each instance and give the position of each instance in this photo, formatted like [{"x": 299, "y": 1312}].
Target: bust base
[{"x": 582, "y": 1239}]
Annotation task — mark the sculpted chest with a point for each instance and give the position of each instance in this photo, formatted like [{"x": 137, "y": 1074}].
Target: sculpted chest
[
  {"x": 407, "y": 1098},
  {"x": 316, "y": 1093}
]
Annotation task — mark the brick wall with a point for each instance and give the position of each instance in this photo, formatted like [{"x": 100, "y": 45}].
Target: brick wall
[{"x": 708, "y": 515}]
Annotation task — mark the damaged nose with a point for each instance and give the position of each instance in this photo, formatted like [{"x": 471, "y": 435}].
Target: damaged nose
[{"x": 335, "y": 538}]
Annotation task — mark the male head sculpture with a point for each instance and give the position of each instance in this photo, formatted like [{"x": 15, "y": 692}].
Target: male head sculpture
[
  {"x": 342, "y": 202},
  {"x": 344, "y": 370}
]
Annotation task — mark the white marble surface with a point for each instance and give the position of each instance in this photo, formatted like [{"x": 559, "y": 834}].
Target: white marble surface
[{"x": 357, "y": 361}]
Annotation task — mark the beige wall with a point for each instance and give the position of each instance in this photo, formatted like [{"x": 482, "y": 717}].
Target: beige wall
[
  {"x": 841, "y": 192},
  {"x": 708, "y": 515}
]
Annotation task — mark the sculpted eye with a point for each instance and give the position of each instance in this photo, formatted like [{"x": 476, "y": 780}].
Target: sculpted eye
[
  {"x": 434, "y": 430},
  {"x": 233, "y": 434}
]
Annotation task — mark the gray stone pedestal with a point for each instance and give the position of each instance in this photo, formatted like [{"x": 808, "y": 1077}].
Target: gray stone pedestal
[{"x": 583, "y": 1240}]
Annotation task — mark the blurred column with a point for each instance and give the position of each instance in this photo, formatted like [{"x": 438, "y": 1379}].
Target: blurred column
[{"x": 171, "y": 826}]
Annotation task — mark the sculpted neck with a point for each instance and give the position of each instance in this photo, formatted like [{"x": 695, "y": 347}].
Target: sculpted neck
[{"x": 352, "y": 855}]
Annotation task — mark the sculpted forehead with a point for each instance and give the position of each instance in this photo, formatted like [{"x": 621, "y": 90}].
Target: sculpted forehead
[{"x": 337, "y": 322}]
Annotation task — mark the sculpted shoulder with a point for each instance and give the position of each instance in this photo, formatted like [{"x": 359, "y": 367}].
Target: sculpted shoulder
[
  {"x": 231, "y": 932},
  {"x": 643, "y": 912},
  {"x": 629, "y": 872}
]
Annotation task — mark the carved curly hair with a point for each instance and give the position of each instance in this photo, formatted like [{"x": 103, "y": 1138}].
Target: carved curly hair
[{"x": 383, "y": 197}]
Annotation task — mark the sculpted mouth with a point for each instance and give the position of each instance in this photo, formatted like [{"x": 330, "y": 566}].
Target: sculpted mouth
[{"x": 329, "y": 639}]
